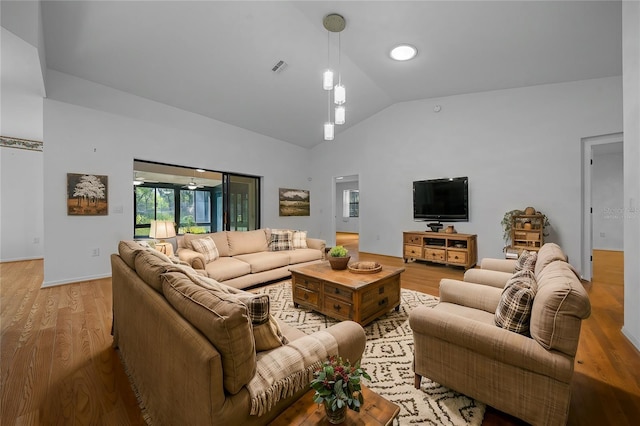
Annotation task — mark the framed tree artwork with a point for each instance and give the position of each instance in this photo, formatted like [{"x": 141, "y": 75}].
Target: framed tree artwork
[{"x": 87, "y": 195}]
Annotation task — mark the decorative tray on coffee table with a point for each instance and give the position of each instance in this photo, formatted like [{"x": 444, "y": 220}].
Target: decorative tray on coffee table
[{"x": 365, "y": 267}]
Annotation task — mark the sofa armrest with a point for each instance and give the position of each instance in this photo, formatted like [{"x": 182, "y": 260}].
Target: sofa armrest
[
  {"x": 351, "y": 339},
  {"x": 316, "y": 243},
  {"x": 471, "y": 295},
  {"x": 193, "y": 258},
  {"x": 503, "y": 265},
  {"x": 487, "y": 277},
  {"x": 490, "y": 341}
]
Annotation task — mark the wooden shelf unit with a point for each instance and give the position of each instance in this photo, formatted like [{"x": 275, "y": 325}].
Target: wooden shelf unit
[
  {"x": 440, "y": 247},
  {"x": 527, "y": 232}
]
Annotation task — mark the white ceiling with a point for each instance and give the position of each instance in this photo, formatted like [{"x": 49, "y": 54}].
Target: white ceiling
[{"x": 214, "y": 58}]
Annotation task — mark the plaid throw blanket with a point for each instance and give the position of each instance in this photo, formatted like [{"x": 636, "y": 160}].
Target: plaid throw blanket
[{"x": 284, "y": 371}]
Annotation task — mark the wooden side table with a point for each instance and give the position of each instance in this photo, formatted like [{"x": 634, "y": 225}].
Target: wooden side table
[{"x": 376, "y": 411}]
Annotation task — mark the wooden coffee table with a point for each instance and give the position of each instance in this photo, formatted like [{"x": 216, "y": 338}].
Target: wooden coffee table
[
  {"x": 344, "y": 295},
  {"x": 376, "y": 411}
]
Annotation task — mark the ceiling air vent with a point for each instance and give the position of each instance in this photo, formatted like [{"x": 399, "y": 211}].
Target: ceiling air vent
[{"x": 279, "y": 67}]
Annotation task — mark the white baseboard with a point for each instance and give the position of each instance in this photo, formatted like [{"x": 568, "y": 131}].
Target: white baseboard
[
  {"x": 75, "y": 280},
  {"x": 21, "y": 259},
  {"x": 634, "y": 341}
]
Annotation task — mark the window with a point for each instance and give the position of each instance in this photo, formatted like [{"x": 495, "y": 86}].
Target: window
[
  {"x": 196, "y": 201},
  {"x": 195, "y": 211},
  {"x": 351, "y": 203},
  {"x": 152, "y": 204}
]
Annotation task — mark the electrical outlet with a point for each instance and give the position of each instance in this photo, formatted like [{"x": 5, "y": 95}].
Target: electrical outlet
[
  {"x": 36, "y": 240},
  {"x": 602, "y": 235},
  {"x": 95, "y": 252}
]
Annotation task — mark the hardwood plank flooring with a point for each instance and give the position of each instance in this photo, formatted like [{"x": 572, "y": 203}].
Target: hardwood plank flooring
[{"x": 57, "y": 366}]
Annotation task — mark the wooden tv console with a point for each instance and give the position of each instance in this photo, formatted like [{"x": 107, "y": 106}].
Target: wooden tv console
[{"x": 441, "y": 247}]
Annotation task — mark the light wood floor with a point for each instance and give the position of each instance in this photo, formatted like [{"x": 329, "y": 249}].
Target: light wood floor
[{"x": 57, "y": 365}]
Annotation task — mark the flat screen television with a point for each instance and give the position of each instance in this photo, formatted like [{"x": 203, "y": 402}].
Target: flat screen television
[{"x": 441, "y": 200}]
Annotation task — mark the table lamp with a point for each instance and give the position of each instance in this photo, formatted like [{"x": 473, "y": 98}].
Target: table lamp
[{"x": 161, "y": 229}]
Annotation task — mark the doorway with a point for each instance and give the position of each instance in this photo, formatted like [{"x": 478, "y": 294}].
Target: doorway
[
  {"x": 346, "y": 205},
  {"x": 602, "y": 198}
]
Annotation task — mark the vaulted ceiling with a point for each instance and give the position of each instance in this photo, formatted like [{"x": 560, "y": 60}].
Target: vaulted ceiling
[{"x": 215, "y": 58}]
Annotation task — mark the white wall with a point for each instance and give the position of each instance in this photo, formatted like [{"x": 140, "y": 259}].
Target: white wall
[
  {"x": 22, "y": 209},
  {"x": 21, "y": 178},
  {"x": 607, "y": 199},
  {"x": 90, "y": 128},
  {"x": 519, "y": 147},
  {"x": 631, "y": 83},
  {"x": 345, "y": 224}
]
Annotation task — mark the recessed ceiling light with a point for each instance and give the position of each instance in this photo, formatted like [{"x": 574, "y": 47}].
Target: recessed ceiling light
[{"x": 403, "y": 52}]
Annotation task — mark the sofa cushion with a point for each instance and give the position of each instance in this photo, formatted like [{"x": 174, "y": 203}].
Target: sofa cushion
[
  {"x": 226, "y": 268},
  {"x": 128, "y": 251},
  {"x": 514, "y": 310},
  {"x": 242, "y": 242},
  {"x": 219, "y": 238},
  {"x": 223, "y": 319},
  {"x": 150, "y": 268},
  {"x": 265, "y": 261},
  {"x": 304, "y": 255},
  {"x": 561, "y": 303},
  {"x": 281, "y": 240},
  {"x": 526, "y": 260},
  {"x": 549, "y": 252},
  {"x": 207, "y": 248}
]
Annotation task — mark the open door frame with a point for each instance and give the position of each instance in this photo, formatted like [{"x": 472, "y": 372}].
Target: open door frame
[{"x": 587, "y": 218}]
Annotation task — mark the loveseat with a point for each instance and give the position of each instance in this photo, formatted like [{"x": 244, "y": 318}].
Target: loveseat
[
  {"x": 202, "y": 353},
  {"x": 526, "y": 370},
  {"x": 247, "y": 258}
]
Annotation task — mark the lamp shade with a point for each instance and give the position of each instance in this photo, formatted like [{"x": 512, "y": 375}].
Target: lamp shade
[
  {"x": 327, "y": 80},
  {"x": 328, "y": 131},
  {"x": 162, "y": 229},
  {"x": 339, "y": 94},
  {"x": 340, "y": 114}
]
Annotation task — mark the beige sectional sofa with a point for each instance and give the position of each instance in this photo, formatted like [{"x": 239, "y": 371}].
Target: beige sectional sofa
[
  {"x": 528, "y": 375},
  {"x": 191, "y": 345},
  {"x": 247, "y": 258}
]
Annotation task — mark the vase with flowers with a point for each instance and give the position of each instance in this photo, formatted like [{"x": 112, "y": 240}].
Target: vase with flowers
[{"x": 337, "y": 386}]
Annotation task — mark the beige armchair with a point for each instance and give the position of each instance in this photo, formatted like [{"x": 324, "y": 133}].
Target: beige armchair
[{"x": 458, "y": 345}]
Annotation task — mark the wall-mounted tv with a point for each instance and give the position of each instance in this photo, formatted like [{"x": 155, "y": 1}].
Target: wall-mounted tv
[{"x": 442, "y": 200}]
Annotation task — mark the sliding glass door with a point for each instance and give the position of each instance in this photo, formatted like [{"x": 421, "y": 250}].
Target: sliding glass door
[
  {"x": 197, "y": 201},
  {"x": 243, "y": 203}
]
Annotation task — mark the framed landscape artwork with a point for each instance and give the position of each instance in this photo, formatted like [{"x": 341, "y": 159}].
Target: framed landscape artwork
[
  {"x": 87, "y": 195},
  {"x": 294, "y": 202}
]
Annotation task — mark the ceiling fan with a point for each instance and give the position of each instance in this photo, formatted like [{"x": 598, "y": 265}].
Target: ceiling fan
[
  {"x": 193, "y": 185},
  {"x": 139, "y": 180}
]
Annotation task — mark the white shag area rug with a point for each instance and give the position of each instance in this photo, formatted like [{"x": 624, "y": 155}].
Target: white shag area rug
[{"x": 388, "y": 358}]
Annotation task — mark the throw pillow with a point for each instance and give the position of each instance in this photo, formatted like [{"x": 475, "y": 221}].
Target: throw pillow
[
  {"x": 527, "y": 260},
  {"x": 514, "y": 310},
  {"x": 268, "y": 335},
  {"x": 207, "y": 248},
  {"x": 266, "y": 331},
  {"x": 300, "y": 239},
  {"x": 281, "y": 240}
]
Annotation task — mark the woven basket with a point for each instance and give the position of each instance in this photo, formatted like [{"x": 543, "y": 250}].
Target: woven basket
[{"x": 339, "y": 263}]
